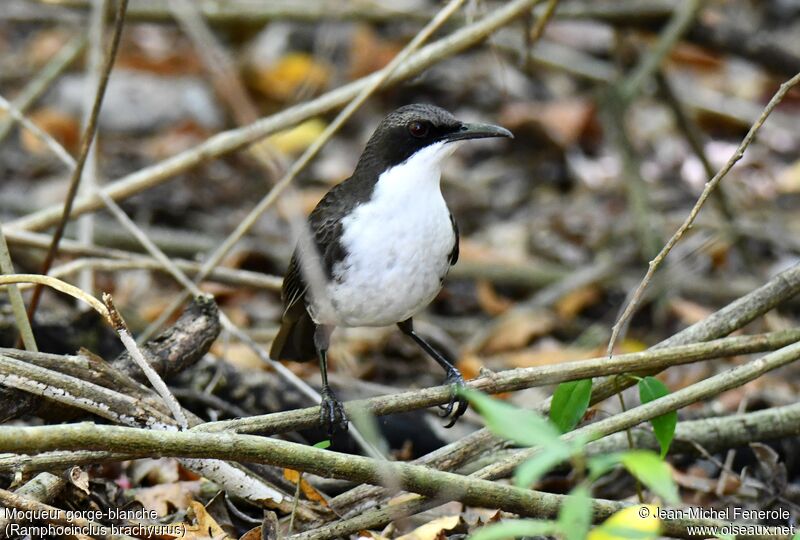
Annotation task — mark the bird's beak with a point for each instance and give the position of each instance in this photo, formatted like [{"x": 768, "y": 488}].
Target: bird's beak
[{"x": 478, "y": 131}]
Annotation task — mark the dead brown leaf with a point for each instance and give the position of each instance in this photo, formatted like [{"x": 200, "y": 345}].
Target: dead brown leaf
[
  {"x": 205, "y": 528},
  {"x": 564, "y": 121},
  {"x": 572, "y": 303},
  {"x": 164, "y": 498},
  {"x": 687, "y": 311},
  {"x": 59, "y": 125},
  {"x": 368, "y": 52},
  {"x": 308, "y": 490},
  {"x": 491, "y": 302},
  {"x": 549, "y": 355},
  {"x": 518, "y": 329},
  {"x": 252, "y": 534}
]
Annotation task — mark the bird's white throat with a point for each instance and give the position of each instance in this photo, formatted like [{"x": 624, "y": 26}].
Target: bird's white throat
[
  {"x": 397, "y": 245},
  {"x": 418, "y": 175}
]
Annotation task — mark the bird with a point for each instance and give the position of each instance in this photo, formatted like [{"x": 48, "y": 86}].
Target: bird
[{"x": 377, "y": 247}]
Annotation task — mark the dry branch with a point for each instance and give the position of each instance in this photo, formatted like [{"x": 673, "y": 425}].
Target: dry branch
[
  {"x": 515, "y": 379},
  {"x": 175, "y": 349},
  {"x": 472, "y": 491}
]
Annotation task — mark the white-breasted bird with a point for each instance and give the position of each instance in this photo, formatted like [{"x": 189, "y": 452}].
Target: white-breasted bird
[{"x": 383, "y": 241}]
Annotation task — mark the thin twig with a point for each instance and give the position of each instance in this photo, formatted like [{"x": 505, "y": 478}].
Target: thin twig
[
  {"x": 170, "y": 267},
  {"x": 42, "y": 488},
  {"x": 15, "y": 296},
  {"x": 130, "y": 345},
  {"x": 707, "y": 190},
  {"x": 86, "y": 142},
  {"x": 691, "y": 132},
  {"x": 9, "y": 499},
  {"x": 517, "y": 379},
  {"x": 58, "y": 285}
]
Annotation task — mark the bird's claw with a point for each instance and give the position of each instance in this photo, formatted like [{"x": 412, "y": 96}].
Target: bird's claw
[
  {"x": 456, "y": 382},
  {"x": 331, "y": 413}
]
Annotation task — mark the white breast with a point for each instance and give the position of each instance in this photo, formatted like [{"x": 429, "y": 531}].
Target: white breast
[{"x": 397, "y": 244}]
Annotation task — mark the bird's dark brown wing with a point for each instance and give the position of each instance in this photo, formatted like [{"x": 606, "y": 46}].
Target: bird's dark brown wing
[
  {"x": 454, "y": 251},
  {"x": 325, "y": 226},
  {"x": 295, "y": 337}
]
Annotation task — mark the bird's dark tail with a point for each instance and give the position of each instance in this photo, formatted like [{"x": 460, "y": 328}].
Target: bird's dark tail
[{"x": 295, "y": 340}]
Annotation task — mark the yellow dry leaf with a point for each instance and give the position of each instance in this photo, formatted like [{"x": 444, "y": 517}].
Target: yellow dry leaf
[
  {"x": 432, "y": 529},
  {"x": 206, "y": 528},
  {"x": 637, "y": 521},
  {"x": 295, "y": 140},
  {"x": 284, "y": 79},
  {"x": 308, "y": 490},
  {"x": 629, "y": 345}
]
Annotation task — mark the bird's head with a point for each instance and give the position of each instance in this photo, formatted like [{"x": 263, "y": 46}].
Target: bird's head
[{"x": 413, "y": 128}]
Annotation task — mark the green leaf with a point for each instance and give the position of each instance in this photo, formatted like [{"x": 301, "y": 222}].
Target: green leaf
[
  {"x": 570, "y": 401},
  {"x": 323, "y": 444},
  {"x": 516, "y": 528},
  {"x": 521, "y": 426},
  {"x": 545, "y": 459},
  {"x": 601, "y": 464},
  {"x": 575, "y": 514},
  {"x": 653, "y": 472},
  {"x": 651, "y": 389}
]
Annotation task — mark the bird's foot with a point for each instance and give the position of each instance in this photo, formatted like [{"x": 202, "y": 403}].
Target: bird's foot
[
  {"x": 456, "y": 382},
  {"x": 331, "y": 412}
]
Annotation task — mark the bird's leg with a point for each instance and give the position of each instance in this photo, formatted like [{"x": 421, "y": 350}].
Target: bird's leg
[
  {"x": 454, "y": 376},
  {"x": 331, "y": 412}
]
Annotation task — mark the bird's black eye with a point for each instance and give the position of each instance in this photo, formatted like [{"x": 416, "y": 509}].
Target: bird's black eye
[{"x": 419, "y": 129}]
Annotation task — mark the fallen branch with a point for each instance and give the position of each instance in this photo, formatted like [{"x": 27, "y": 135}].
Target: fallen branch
[
  {"x": 249, "y": 448},
  {"x": 515, "y": 379}
]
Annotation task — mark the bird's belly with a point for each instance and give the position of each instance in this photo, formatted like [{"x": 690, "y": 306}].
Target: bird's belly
[{"x": 393, "y": 268}]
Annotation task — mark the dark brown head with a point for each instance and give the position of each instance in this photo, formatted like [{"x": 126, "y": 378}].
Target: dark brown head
[{"x": 411, "y": 128}]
